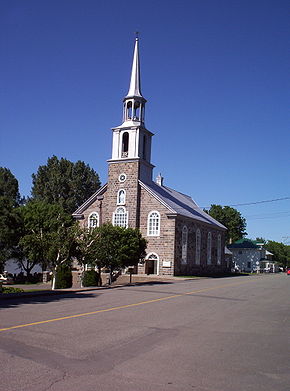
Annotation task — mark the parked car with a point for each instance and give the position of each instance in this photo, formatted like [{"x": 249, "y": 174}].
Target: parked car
[
  {"x": 288, "y": 271},
  {"x": 6, "y": 279}
]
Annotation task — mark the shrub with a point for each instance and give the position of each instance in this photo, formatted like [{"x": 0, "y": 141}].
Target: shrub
[
  {"x": 11, "y": 289},
  {"x": 63, "y": 277},
  {"x": 90, "y": 278}
]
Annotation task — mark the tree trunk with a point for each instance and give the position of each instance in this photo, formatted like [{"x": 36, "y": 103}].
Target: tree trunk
[
  {"x": 100, "y": 275},
  {"x": 53, "y": 279}
]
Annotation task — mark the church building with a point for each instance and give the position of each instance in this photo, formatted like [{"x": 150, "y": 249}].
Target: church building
[{"x": 182, "y": 239}]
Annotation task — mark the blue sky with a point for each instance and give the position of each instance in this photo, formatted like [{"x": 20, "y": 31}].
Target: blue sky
[{"x": 215, "y": 74}]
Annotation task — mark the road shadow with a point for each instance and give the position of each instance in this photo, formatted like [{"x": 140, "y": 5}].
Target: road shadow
[{"x": 43, "y": 298}]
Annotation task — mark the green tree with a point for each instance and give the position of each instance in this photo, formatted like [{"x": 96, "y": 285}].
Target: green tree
[
  {"x": 261, "y": 240},
  {"x": 9, "y": 186},
  {"x": 280, "y": 251},
  {"x": 62, "y": 248},
  {"x": 42, "y": 229},
  {"x": 112, "y": 247},
  {"x": 64, "y": 182},
  {"x": 9, "y": 221},
  {"x": 9, "y": 230},
  {"x": 231, "y": 219}
]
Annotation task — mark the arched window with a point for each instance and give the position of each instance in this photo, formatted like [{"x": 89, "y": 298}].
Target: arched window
[
  {"x": 197, "y": 247},
  {"x": 120, "y": 217},
  {"x": 209, "y": 248},
  {"x": 93, "y": 220},
  {"x": 125, "y": 144},
  {"x": 121, "y": 198},
  {"x": 184, "y": 244},
  {"x": 219, "y": 249},
  {"x": 153, "y": 224}
]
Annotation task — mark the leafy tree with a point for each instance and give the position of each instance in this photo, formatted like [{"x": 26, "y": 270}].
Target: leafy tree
[
  {"x": 9, "y": 186},
  {"x": 62, "y": 248},
  {"x": 261, "y": 240},
  {"x": 9, "y": 199},
  {"x": 41, "y": 223},
  {"x": 9, "y": 233},
  {"x": 118, "y": 247},
  {"x": 231, "y": 219},
  {"x": 64, "y": 182},
  {"x": 280, "y": 251},
  {"x": 112, "y": 247}
]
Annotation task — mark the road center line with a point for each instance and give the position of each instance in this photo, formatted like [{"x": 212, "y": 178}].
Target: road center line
[{"x": 123, "y": 306}]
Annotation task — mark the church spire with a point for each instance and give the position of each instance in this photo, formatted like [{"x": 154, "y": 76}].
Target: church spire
[
  {"x": 134, "y": 102},
  {"x": 135, "y": 82}
]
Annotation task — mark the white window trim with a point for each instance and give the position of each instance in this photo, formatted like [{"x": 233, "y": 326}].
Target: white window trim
[
  {"x": 159, "y": 223},
  {"x": 209, "y": 248},
  {"x": 197, "y": 246},
  {"x": 98, "y": 219},
  {"x": 118, "y": 195},
  {"x": 126, "y": 217},
  {"x": 184, "y": 249},
  {"x": 219, "y": 249},
  {"x": 157, "y": 259}
]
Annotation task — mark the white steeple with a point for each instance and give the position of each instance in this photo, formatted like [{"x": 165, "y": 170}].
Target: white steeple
[
  {"x": 131, "y": 140},
  {"x": 134, "y": 102},
  {"x": 135, "y": 82}
]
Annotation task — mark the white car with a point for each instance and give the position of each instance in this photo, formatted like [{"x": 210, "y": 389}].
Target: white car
[{"x": 5, "y": 279}]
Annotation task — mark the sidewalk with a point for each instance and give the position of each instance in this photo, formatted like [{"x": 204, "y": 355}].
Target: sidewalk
[{"x": 44, "y": 289}]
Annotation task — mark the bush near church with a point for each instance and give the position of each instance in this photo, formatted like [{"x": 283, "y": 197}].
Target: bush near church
[
  {"x": 63, "y": 277},
  {"x": 90, "y": 278}
]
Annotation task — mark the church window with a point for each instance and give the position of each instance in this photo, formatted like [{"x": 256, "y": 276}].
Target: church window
[
  {"x": 93, "y": 220},
  {"x": 125, "y": 144},
  {"x": 121, "y": 198},
  {"x": 153, "y": 226},
  {"x": 197, "y": 247},
  {"x": 120, "y": 217},
  {"x": 209, "y": 248},
  {"x": 219, "y": 249},
  {"x": 184, "y": 245}
]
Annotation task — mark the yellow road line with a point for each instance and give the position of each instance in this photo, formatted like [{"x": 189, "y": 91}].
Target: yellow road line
[{"x": 123, "y": 306}]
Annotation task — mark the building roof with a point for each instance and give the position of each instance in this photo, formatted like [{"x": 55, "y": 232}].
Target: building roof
[
  {"x": 243, "y": 243},
  {"x": 179, "y": 203}
]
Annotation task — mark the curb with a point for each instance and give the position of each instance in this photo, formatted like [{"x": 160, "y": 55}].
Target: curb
[{"x": 67, "y": 291}]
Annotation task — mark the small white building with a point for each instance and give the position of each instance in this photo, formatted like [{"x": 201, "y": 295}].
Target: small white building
[{"x": 251, "y": 256}]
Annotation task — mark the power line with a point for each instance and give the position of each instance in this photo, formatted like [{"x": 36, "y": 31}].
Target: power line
[{"x": 253, "y": 203}]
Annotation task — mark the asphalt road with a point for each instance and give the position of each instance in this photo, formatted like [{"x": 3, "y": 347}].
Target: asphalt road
[{"x": 229, "y": 334}]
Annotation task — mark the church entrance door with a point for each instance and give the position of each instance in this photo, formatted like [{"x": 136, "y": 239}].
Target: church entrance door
[{"x": 151, "y": 264}]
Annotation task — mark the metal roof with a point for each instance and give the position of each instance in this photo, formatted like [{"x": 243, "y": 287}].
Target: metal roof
[{"x": 179, "y": 203}]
